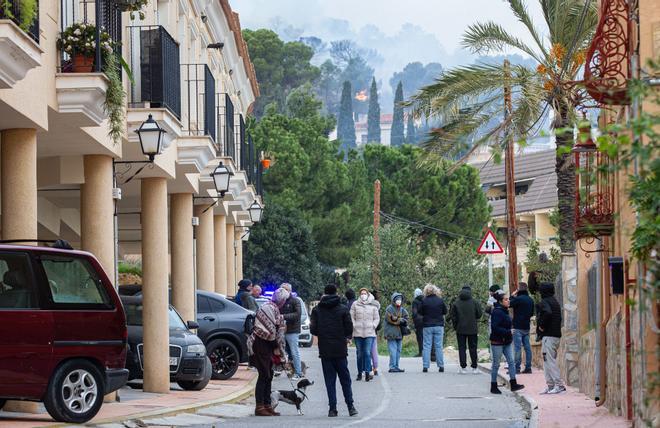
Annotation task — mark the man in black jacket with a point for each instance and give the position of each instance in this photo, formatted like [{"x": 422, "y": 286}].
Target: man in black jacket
[
  {"x": 548, "y": 326},
  {"x": 292, "y": 313},
  {"x": 523, "y": 309},
  {"x": 465, "y": 314},
  {"x": 331, "y": 324}
]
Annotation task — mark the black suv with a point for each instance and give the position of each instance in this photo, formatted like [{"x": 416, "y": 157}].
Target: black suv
[
  {"x": 189, "y": 365},
  {"x": 222, "y": 326}
]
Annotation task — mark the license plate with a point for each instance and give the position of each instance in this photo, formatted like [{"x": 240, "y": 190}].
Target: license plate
[{"x": 174, "y": 361}]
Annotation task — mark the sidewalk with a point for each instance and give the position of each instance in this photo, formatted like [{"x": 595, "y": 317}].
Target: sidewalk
[
  {"x": 136, "y": 404},
  {"x": 567, "y": 410}
]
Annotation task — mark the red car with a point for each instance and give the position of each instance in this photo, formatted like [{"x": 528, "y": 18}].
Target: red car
[{"x": 62, "y": 331}]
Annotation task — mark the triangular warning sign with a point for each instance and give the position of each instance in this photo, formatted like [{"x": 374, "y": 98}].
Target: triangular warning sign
[{"x": 490, "y": 245}]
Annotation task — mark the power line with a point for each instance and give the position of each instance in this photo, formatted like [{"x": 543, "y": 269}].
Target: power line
[{"x": 397, "y": 219}]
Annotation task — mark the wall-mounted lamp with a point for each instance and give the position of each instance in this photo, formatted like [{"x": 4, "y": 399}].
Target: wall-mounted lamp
[{"x": 218, "y": 45}]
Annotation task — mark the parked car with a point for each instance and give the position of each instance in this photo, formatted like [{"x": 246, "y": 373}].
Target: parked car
[
  {"x": 62, "y": 331},
  {"x": 222, "y": 327},
  {"x": 190, "y": 368},
  {"x": 305, "y": 337}
]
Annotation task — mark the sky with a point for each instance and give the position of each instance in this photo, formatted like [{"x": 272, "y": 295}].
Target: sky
[{"x": 400, "y": 31}]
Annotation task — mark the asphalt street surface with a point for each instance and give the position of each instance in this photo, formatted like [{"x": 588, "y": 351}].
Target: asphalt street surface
[{"x": 410, "y": 399}]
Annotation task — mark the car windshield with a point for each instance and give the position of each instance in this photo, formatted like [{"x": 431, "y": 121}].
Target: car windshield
[{"x": 134, "y": 317}]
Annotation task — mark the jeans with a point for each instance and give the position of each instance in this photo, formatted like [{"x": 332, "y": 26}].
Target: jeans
[
  {"x": 433, "y": 336},
  {"x": 363, "y": 345},
  {"x": 333, "y": 368},
  {"x": 374, "y": 353},
  {"x": 294, "y": 352},
  {"x": 471, "y": 341},
  {"x": 394, "y": 347},
  {"x": 498, "y": 351},
  {"x": 549, "y": 347},
  {"x": 520, "y": 340}
]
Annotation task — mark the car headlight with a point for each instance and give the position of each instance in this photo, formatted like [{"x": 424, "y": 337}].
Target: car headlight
[{"x": 196, "y": 349}]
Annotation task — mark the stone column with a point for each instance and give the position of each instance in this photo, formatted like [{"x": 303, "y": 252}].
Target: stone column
[
  {"x": 220, "y": 226},
  {"x": 205, "y": 250},
  {"x": 570, "y": 342},
  {"x": 97, "y": 212},
  {"x": 183, "y": 278},
  {"x": 19, "y": 183},
  {"x": 154, "y": 285},
  {"x": 239, "y": 254},
  {"x": 231, "y": 273}
]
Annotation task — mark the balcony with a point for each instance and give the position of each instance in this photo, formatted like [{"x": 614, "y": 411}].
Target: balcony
[
  {"x": 226, "y": 125},
  {"x": 81, "y": 83},
  {"x": 19, "y": 43},
  {"x": 154, "y": 60}
]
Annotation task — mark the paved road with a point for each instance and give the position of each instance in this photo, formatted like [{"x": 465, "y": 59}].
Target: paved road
[{"x": 410, "y": 399}]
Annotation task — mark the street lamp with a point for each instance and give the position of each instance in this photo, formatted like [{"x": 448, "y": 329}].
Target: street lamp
[
  {"x": 220, "y": 176},
  {"x": 151, "y": 137},
  {"x": 255, "y": 211}
]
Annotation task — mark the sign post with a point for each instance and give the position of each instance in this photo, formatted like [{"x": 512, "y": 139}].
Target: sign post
[{"x": 489, "y": 246}]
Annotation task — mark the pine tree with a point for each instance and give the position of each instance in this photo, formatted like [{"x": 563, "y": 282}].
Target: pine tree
[
  {"x": 397, "y": 138},
  {"x": 373, "y": 119},
  {"x": 411, "y": 137},
  {"x": 345, "y": 123}
]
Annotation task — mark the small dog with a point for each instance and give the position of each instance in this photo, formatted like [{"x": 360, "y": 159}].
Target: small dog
[{"x": 295, "y": 397}]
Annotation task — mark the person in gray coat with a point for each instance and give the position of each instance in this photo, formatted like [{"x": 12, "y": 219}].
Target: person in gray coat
[
  {"x": 465, "y": 314},
  {"x": 396, "y": 317}
]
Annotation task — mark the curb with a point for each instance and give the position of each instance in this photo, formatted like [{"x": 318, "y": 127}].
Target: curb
[
  {"x": 234, "y": 397},
  {"x": 531, "y": 406}
]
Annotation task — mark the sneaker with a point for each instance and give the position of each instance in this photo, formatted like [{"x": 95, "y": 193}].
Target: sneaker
[
  {"x": 461, "y": 370},
  {"x": 332, "y": 413},
  {"x": 546, "y": 390},
  {"x": 392, "y": 370},
  {"x": 476, "y": 370},
  {"x": 296, "y": 378},
  {"x": 352, "y": 411},
  {"x": 367, "y": 377},
  {"x": 557, "y": 390},
  {"x": 398, "y": 370},
  {"x": 441, "y": 369},
  {"x": 359, "y": 377},
  {"x": 527, "y": 371},
  {"x": 425, "y": 370}
]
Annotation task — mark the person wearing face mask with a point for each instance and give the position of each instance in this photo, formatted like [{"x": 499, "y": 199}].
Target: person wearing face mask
[
  {"x": 501, "y": 340},
  {"x": 396, "y": 317},
  {"x": 365, "y": 318}
]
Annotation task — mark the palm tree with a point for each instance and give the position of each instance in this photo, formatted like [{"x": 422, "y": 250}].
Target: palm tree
[{"x": 469, "y": 99}]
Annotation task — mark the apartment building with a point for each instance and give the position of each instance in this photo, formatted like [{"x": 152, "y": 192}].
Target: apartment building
[{"x": 189, "y": 86}]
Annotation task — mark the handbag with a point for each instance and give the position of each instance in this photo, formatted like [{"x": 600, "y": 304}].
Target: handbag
[{"x": 403, "y": 325}]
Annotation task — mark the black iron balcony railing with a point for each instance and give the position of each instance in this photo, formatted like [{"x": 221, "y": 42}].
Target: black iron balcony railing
[
  {"x": 225, "y": 122},
  {"x": 105, "y": 16},
  {"x": 259, "y": 180},
  {"x": 241, "y": 143},
  {"x": 198, "y": 88},
  {"x": 154, "y": 60},
  {"x": 12, "y": 9}
]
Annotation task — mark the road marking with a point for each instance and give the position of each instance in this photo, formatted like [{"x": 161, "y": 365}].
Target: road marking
[{"x": 380, "y": 409}]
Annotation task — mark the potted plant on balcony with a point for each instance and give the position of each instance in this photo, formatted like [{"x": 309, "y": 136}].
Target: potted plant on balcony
[
  {"x": 79, "y": 42},
  {"x": 132, "y": 6},
  {"x": 27, "y": 11}
]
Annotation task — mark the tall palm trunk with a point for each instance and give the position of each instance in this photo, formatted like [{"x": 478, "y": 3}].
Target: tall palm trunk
[{"x": 565, "y": 170}]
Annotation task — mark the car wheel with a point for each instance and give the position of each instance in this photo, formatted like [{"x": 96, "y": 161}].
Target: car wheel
[
  {"x": 75, "y": 392},
  {"x": 307, "y": 345},
  {"x": 189, "y": 385},
  {"x": 224, "y": 358}
]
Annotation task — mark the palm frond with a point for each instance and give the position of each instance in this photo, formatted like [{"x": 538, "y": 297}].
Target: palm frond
[
  {"x": 519, "y": 9},
  {"x": 489, "y": 37}
]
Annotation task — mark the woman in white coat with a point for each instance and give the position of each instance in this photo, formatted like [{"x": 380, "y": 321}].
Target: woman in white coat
[{"x": 365, "y": 317}]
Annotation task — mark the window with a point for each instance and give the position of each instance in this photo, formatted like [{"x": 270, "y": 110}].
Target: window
[
  {"x": 216, "y": 306},
  {"x": 17, "y": 287},
  {"x": 73, "y": 281},
  {"x": 203, "y": 305}
]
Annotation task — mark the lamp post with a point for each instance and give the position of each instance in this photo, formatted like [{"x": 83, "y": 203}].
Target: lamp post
[
  {"x": 151, "y": 137},
  {"x": 221, "y": 176},
  {"x": 255, "y": 211}
]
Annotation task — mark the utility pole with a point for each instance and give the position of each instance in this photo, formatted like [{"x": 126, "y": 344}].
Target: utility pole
[
  {"x": 510, "y": 184},
  {"x": 375, "y": 276}
]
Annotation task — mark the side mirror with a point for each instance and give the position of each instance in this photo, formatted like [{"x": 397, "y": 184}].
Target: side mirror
[{"x": 192, "y": 325}]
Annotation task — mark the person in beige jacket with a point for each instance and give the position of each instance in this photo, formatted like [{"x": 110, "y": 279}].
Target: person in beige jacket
[{"x": 365, "y": 317}]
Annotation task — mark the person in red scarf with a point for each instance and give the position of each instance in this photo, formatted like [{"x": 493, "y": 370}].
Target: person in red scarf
[{"x": 265, "y": 344}]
